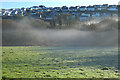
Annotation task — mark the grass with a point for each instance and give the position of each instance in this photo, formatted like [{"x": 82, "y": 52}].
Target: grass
[{"x": 59, "y": 62}]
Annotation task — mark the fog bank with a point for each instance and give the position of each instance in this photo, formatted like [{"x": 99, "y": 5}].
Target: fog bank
[{"x": 89, "y": 33}]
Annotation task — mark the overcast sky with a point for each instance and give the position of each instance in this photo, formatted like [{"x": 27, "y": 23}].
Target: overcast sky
[{"x": 51, "y": 3}]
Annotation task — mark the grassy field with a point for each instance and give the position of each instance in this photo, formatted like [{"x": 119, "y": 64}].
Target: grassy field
[{"x": 59, "y": 62}]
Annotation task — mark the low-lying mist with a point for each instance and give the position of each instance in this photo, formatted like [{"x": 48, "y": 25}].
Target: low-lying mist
[{"x": 88, "y": 33}]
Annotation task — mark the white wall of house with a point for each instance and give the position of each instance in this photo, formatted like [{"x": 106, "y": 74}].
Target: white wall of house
[
  {"x": 84, "y": 14},
  {"x": 112, "y": 9},
  {"x": 95, "y": 14},
  {"x": 16, "y": 12},
  {"x": 91, "y": 9},
  {"x": 0, "y": 13},
  {"x": 73, "y": 9},
  {"x": 82, "y": 9}
]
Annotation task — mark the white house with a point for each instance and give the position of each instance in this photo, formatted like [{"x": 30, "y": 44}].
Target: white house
[
  {"x": 0, "y": 13},
  {"x": 40, "y": 10},
  {"x": 13, "y": 12},
  {"x": 91, "y": 8},
  {"x": 56, "y": 8},
  {"x": 83, "y": 8},
  {"x": 23, "y": 9},
  {"x": 85, "y": 15},
  {"x": 50, "y": 9},
  {"x": 95, "y": 14},
  {"x": 105, "y": 6},
  {"x": 97, "y": 6},
  {"x": 34, "y": 7},
  {"x": 112, "y": 8},
  {"x": 64, "y": 9},
  {"x": 28, "y": 8},
  {"x": 100, "y": 8},
  {"x": 106, "y": 14},
  {"x": 16, "y": 12},
  {"x": 10, "y": 14},
  {"x": 73, "y": 9},
  {"x": 42, "y": 7},
  {"x": 5, "y": 13},
  {"x": 20, "y": 13}
]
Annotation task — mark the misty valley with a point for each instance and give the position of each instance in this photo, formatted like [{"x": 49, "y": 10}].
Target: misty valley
[{"x": 35, "y": 32}]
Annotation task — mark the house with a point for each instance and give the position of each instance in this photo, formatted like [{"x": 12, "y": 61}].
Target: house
[
  {"x": 10, "y": 10},
  {"x": 13, "y": 12},
  {"x": 42, "y": 7},
  {"x": 0, "y": 13},
  {"x": 112, "y": 8},
  {"x": 83, "y": 8},
  {"x": 100, "y": 8},
  {"x": 23, "y": 9},
  {"x": 96, "y": 6},
  {"x": 73, "y": 13},
  {"x": 28, "y": 9},
  {"x": 95, "y": 14},
  {"x": 77, "y": 13},
  {"x": 91, "y": 8},
  {"x": 64, "y": 9},
  {"x": 35, "y": 7},
  {"x": 20, "y": 13},
  {"x": 56, "y": 8},
  {"x": 73, "y": 9},
  {"x": 40, "y": 10},
  {"x": 106, "y": 14},
  {"x": 104, "y": 6},
  {"x": 33, "y": 13},
  {"x": 85, "y": 15},
  {"x": 5, "y": 13},
  {"x": 49, "y": 9}
]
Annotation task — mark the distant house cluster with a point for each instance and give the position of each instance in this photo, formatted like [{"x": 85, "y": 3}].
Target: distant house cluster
[{"x": 49, "y": 13}]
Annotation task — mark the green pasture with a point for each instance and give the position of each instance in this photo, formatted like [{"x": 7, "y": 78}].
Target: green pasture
[{"x": 59, "y": 62}]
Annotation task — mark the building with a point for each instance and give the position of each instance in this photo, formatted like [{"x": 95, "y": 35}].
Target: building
[
  {"x": 56, "y": 8},
  {"x": 112, "y": 8},
  {"x": 73, "y": 9},
  {"x": 49, "y": 13},
  {"x": 91, "y": 8},
  {"x": 64, "y": 9},
  {"x": 83, "y": 8}
]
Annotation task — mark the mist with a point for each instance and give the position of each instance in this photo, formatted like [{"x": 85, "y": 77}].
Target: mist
[{"x": 96, "y": 32}]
